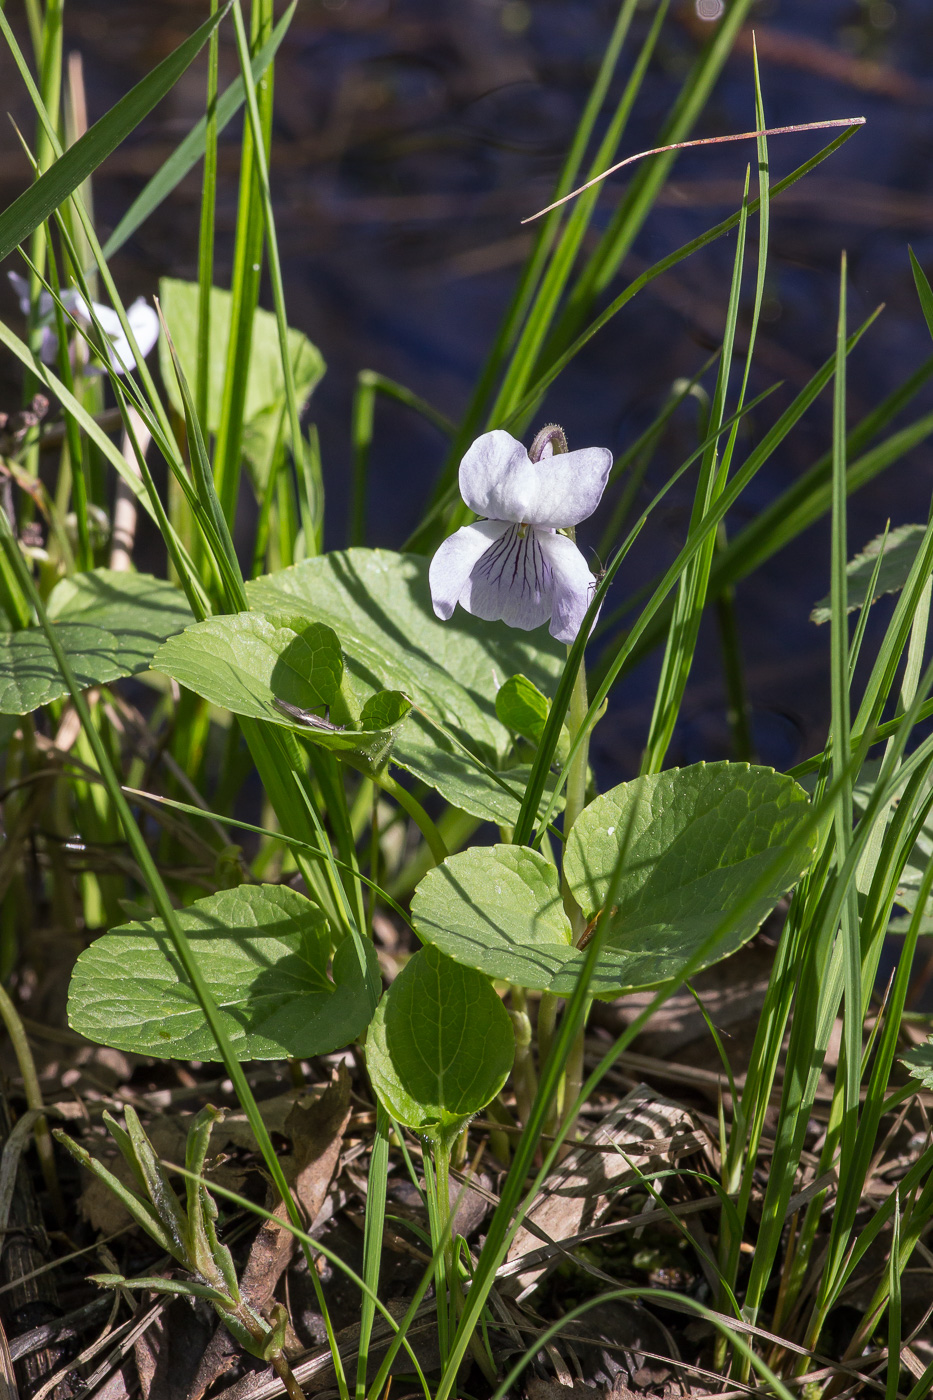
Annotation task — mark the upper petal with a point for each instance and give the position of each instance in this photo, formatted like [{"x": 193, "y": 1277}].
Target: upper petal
[
  {"x": 572, "y": 588},
  {"x": 451, "y": 565},
  {"x": 568, "y": 487},
  {"x": 497, "y": 478}
]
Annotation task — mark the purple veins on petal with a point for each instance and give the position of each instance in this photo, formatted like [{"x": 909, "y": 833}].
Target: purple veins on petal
[{"x": 512, "y": 582}]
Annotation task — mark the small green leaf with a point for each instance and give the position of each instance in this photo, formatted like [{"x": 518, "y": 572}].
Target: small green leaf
[
  {"x": 245, "y": 661},
  {"x": 176, "y": 1287},
  {"x": 265, "y": 385},
  {"x": 522, "y": 708},
  {"x": 919, "y": 1062},
  {"x": 263, "y": 950},
  {"x": 697, "y": 840},
  {"x": 900, "y": 551},
  {"x": 440, "y": 1046},
  {"x": 384, "y": 710}
]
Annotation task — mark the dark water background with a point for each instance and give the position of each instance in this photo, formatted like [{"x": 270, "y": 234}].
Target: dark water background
[{"x": 411, "y": 138}]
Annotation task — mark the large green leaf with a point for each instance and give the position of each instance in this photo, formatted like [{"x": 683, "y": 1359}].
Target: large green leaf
[
  {"x": 265, "y": 385},
  {"x": 380, "y": 605},
  {"x": 263, "y": 951},
  {"x": 440, "y": 1045},
  {"x": 109, "y": 624},
  {"x": 698, "y": 842},
  {"x": 74, "y": 166},
  {"x": 246, "y": 661},
  {"x": 898, "y": 550}
]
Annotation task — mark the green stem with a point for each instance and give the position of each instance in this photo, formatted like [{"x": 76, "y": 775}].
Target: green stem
[
  {"x": 575, "y": 799},
  {"x": 417, "y": 813},
  {"x": 524, "y": 1077},
  {"x": 27, "y": 1068},
  {"x": 575, "y": 802}
]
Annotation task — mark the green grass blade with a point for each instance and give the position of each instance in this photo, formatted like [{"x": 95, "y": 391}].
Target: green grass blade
[
  {"x": 840, "y": 732},
  {"x": 372, "y": 1240},
  {"x": 691, "y": 596},
  {"x": 74, "y": 166},
  {"x": 206, "y": 230},
  {"x": 247, "y": 268},
  {"x": 191, "y": 149},
  {"x": 560, "y": 361}
]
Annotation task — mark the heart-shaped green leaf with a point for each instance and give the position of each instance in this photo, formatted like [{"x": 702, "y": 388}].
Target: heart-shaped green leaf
[
  {"x": 109, "y": 625},
  {"x": 263, "y": 951},
  {"x": 440, "y": 1045},
  {"x": 380, "y": 605},
  {"x": 265, "y": 385},
  {"x": 698, "y": 843}
]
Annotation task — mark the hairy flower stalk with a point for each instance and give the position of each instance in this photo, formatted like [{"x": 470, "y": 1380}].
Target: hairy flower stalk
[{"x": 520, "y": 565}]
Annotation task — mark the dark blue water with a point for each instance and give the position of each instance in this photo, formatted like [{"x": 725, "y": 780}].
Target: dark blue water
[{"x": 411, "y": 139}]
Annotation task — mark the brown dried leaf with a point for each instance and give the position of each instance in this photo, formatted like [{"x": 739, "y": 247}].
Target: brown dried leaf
[{"x": 651, "y": 1131}]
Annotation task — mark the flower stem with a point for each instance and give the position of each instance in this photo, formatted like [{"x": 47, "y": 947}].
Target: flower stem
[
  {"x": 575, "y": 795},
  {"x": 574, "y": 803},
  {"x": 419, "y": 816}
]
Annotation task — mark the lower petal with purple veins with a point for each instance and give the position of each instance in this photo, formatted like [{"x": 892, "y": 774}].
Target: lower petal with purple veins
[
  {"x": 573, "y": 584},
  {"x": 453, "y": 563},
  {"x": 513, "y": 581}
]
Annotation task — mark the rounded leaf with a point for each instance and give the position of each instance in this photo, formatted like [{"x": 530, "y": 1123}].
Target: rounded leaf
[
  {"x": 698, "y": 842},
  {"x": 497, "y": 909},
  {"x": 709, "y": 851},
  {"x": 440, "y": 1045},
  {"x": 263, "y": 951}
]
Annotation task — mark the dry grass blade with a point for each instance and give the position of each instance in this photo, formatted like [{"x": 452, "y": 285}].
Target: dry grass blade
[{"x": 702, "y": 141}]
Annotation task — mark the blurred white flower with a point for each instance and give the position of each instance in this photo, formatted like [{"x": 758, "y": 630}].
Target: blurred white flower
[
  {"x": 142, "y": 319},
  {"x": 514, "y": 565}
]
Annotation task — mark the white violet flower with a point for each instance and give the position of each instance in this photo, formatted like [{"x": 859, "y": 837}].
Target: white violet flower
[
  {"x": 515, "y": 565},
  {"x": 142, "y": 318}
]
